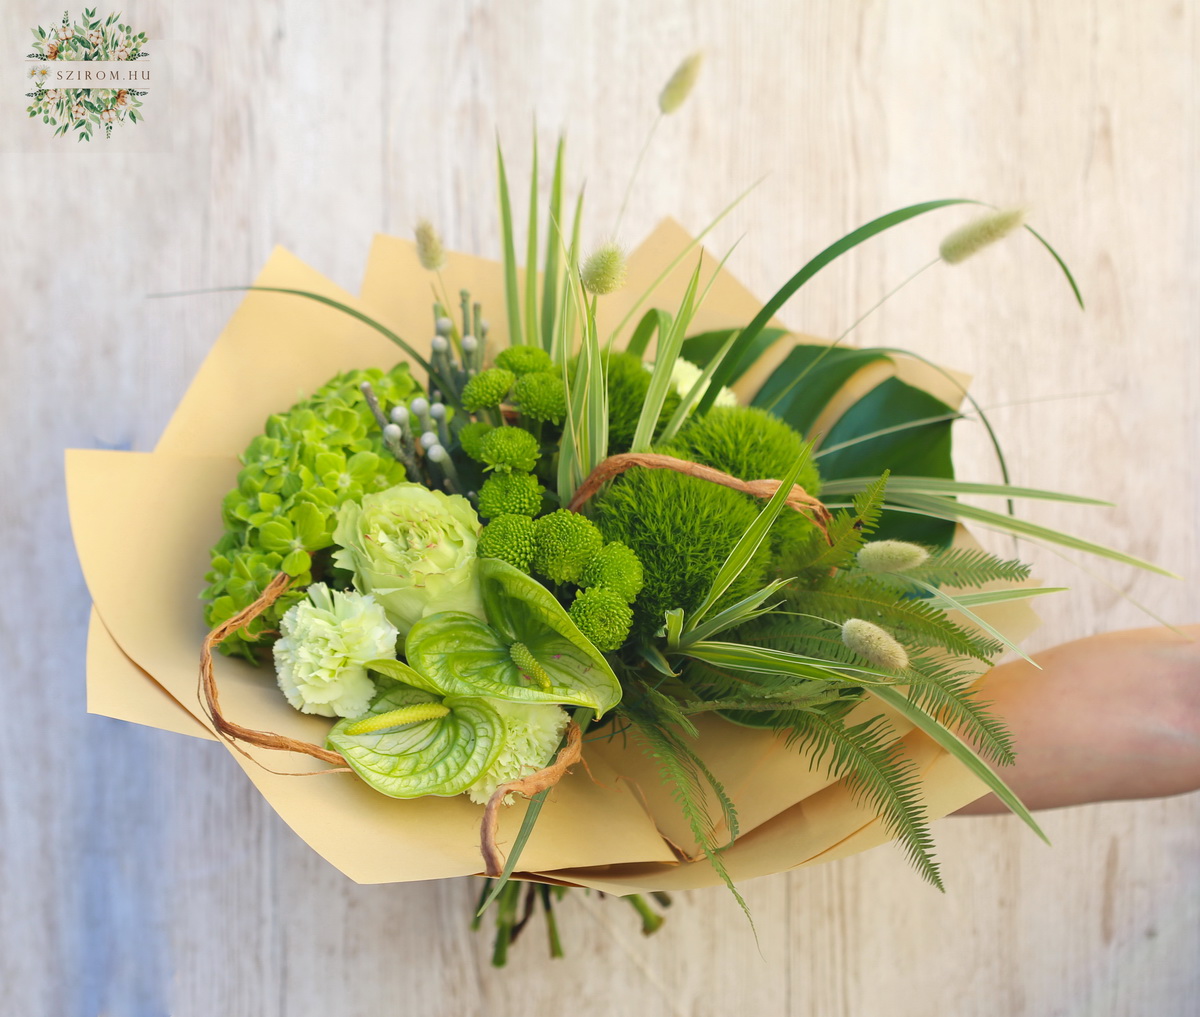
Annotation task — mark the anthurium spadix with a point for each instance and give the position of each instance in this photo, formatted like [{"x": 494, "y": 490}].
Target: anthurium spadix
[
  {"x": 412, "y": 743},
  {"x": 528, "y": 651}
]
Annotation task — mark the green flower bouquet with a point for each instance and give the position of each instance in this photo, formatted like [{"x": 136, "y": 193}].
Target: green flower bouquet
[{"x": 625, "y": 588}]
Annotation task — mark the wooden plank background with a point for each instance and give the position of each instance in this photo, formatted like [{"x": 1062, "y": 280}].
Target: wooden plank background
[{"x": 140, "y": 873}]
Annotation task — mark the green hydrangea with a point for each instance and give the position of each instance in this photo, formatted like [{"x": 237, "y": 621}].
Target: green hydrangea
[
  {"x": 603, "y": 616},
  {"x": 487, "y": 389},
  {"x": 541, "y": 396},
  {"x": 323, "y": 452},
  {"x": 522, "y": 360},
  {"x": 471, "y": 437},
  {"x": 504, "y": 449},
  {"x": 563, "y": 543},
  {"x": 510, "y": 494},
  {"x": 615, "y": 568},
  {"x": 509, "y": 538}
]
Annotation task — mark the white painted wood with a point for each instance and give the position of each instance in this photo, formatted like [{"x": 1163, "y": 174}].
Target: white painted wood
[{"x": 140, "y": 873}]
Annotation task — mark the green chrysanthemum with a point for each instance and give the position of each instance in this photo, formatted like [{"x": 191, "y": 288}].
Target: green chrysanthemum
[
  {"x": 504, "y": 449},
  {"x": 471, "y": 438},
  {"x": 602, "y": 615},
  {"x": 541, "y": 396},
  {"x": 487, "y": 389},
  {"x": 509, "y": 538},
  {"x": 510, "y": 494},
  {"x": 522, "y": 360},
  {"x": 615, "y": 568},
  {"x": 562, "y": 544}
]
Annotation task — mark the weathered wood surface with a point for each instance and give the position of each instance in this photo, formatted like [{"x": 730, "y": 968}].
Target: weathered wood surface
[{"x": 141, "y": 875}]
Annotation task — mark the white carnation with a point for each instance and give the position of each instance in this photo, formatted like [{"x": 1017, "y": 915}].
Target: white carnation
[
  {"x": 532, "y": 733},
  {"x": 326, "y": 641}
]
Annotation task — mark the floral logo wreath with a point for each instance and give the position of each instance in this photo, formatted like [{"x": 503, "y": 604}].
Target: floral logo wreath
[{"x": 84, "y": 110}]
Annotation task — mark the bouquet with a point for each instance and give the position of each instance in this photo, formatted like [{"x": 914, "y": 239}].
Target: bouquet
[{"x": 610, "y": 583}]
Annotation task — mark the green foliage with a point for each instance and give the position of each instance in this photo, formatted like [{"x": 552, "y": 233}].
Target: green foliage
[
  {"x": 563, "y": 542},
  {"x": 847, "y": 533},
  {"x": 510, "y": 493},
  {"x": 681, "y": 529},
  {"x": 487, "y": 389},
  {"x": 615, "y": 567},
  {"x": 324, "y": 451},
  {"x": 949, "y": 696},
  {"x": 965, "y": 566},
  {"x": 876, "y": 772},
  {"x": 628, "y": 386},
  {"x": 602, "y": 615},
  {"x": 746, "y": 443},
  {"x": 509, "y": 538}
]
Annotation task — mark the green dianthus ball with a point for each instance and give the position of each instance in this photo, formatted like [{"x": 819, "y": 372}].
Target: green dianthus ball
[
  {"x": 509, "y": 538},
  {"x": 504, "y": 449},
  {"x": 471, "y": 438},
  {"x": 682, "y": 529},
  {"x": 603, "y": 616},
  {"x": 563, "y": 542},
  {"x": 487, "y": 389},
  {"x": 510, "y": 494},
  {"x": 522, "y": 360},
  {"x": 541, "y": 396},
  {"x": 615, "y": 568},
  {"x": 628, "y": 383},
  {"x": 746, "y": 442}
]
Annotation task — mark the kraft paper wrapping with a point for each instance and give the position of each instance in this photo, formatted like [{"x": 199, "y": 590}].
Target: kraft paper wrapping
[{"x": 611, "y": 826}]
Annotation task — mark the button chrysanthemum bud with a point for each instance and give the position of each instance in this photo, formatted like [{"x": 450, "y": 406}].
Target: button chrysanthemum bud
[
  {"x": 430, "y": 252},
  {"x": 510, "y": 494},
  {"x": 563, "y": 543},
  {"x": 509, "y": 538},
  {"x": 505, "y": 449},
  {"x": 891, "y": 556},
  {"x": 680, "y": 84},
  {"x": 487, "y": 389},
  {"x": 604, "y": 270},
  {"x": 603, "y": 616},
  {"x": 875, "y": 644},
  {"x": 979, "y": 233},
  {"x": 522, "y": 360}
]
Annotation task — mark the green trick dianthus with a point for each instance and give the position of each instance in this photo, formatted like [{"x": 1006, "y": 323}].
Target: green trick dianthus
[
  {"x": 628, "y": 383},
  {"x": 509, "y": 538},
  {"x": 603, "y": 616},
  {"x": 563, "y": 543},
  {"x": 510, "y": 494},
  {"x": 615, "y": 568}
]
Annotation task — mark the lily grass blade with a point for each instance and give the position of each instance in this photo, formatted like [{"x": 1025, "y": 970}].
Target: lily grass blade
[
  {"x": 749, "y": 542},
  {"x": 511, "y": 295},
  {"x": 1003, "y": 596},
  {"x": 743, "y": 611},
  {"x": 653, "y": 656},
  {"x": 664, "y": 361},
  {"x": 646, "y": 294},
  {"x": 550, "y": 291},
  {"x": 934, "y": 485},
  {"x": 851, "y": 240},
  {"x": 652, "y": 321},
  {"x": 956, "y": 604},
  {"x": 1061, "y": 264},
  {"x": 531, "y": 253},
  {"x": 882, "y": 432},
  {"x": 945, "y": 508},
  {"x": 961, "y": 751},
  {"x": 366, "y": 319},
  {"x": 674, "y": 627},
  {"x": 767, "y": 661}
]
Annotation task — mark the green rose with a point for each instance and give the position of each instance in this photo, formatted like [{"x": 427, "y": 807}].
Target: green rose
[{"x": 414, "y": 550}]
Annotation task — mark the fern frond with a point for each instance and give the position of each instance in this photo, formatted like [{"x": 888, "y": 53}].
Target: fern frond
[
  {"x": 947, "y": 696},
  {"x": 848, "y": 531},
  {"x": 878, "y": 773},
  {"x": 965, "y": 567}
]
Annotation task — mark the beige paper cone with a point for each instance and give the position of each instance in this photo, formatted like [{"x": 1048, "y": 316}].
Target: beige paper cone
[{"x": 614, "y": 827}]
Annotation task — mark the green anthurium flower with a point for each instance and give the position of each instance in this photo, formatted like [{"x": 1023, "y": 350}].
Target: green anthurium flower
[
  {"x": 412, "y": 743},
  {"x": 529, "y": 651}
]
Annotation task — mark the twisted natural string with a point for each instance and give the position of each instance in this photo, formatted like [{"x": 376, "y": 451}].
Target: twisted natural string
[
  {"x": 235, "y": 733},
  {"x": 568, "y": 756},
  {"x": 613, "y": 466}
]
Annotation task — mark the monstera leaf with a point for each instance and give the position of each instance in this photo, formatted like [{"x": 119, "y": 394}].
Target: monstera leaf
[
  {"x": 529, "y": 651},
  {"x": 441, "y": 756}
]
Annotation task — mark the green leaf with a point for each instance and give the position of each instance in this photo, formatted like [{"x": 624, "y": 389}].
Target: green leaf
[
  {"x": 933, "y": 485},
  {"x": 442, "y": 757},
  {"x": 554, "y": 242},
  {"x": 733, "y": 361},
  {"x": 961, "y": 751},
  {"x": 511, "y": 295},
  {"x": 954, "y": 604},
  {"x": 531, "y": 310},
  {"x": 766, "y": 661},
  {"x": 922, "y": 451},
  {"x": 1003, "y": 596},
  {"x": 705, "y": 347},
  {"x": 653, "y": 320},
  {"x": 749, "y": 542},
  {"x": 800, "y": 388}
]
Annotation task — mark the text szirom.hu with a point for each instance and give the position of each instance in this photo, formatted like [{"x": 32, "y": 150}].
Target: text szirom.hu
[{"x": 82, "y": 76}]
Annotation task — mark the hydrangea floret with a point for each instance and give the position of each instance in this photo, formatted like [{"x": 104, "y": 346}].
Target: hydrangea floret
[{"x": 326, "y": 641}]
